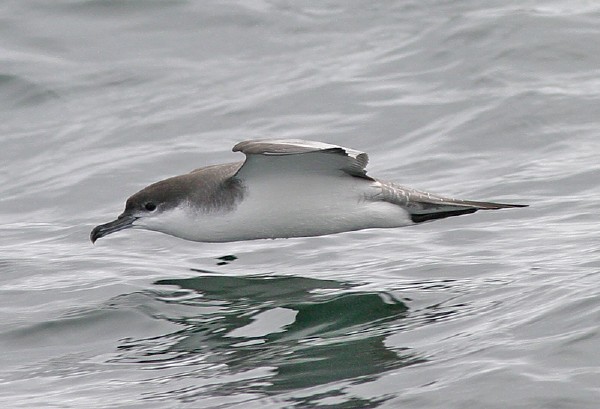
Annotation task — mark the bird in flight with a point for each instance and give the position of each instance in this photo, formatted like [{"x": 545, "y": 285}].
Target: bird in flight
[{"x": 285, "y": 188}]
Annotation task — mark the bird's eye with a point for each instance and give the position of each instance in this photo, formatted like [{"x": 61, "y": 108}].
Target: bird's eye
[{"x": 150, "y": 206}]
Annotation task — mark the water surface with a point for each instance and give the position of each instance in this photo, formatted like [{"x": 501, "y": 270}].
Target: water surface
[{"x": 495, "y": 101}]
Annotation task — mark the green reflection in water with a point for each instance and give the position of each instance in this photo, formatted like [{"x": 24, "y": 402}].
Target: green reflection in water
[{"x": 310, "y": 332}]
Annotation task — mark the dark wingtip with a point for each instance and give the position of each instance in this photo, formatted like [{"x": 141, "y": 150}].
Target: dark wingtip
[
  {"x": 491, "y": 205},
  {"x": 505, "y": 206},
  {"x": 423, "y": 217},
  {"x": 420, "y": 218}
]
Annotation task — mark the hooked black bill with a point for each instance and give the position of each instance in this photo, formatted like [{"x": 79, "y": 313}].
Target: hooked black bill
[{"x": 124, "y": 221}]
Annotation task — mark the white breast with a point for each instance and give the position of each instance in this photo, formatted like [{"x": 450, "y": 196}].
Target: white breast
[{"x": 281, "y": 207}]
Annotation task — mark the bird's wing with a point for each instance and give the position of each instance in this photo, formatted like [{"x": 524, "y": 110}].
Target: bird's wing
[
  {"x": 424, "y": 206},
  {"x": 299, "y": 156}
]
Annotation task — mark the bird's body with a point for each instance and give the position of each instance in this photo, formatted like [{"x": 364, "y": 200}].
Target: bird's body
[
  {"x": 282, "y": 205},
  {"x": 285, "y": 188}
]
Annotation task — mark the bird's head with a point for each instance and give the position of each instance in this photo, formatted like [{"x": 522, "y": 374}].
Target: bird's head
[
  {"x": 177, "y": 205},
  {"x": 151, "y": 208}
]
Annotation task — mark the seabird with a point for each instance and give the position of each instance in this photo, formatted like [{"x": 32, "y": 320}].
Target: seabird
[{"x": 285, "y": 188}]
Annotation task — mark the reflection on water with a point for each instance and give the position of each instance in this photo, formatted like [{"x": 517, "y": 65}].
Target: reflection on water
[
  {"x": 271, "y": 334},
  {"x": 223, "y": 260}
]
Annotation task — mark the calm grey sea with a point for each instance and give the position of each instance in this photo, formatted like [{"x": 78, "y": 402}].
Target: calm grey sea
[{"x": 495, "y": 100}]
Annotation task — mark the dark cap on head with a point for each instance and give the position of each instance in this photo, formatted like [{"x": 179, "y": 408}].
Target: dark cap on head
[{"x": 206, "y": 190}]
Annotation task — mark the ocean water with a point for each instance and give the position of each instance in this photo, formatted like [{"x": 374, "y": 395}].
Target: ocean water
[{"x": 496, "y": 100}]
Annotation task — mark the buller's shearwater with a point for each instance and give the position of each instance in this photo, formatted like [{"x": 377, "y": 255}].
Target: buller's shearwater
[{"x": 284, "y": 188}]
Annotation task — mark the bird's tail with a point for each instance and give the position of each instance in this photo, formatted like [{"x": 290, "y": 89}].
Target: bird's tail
[{"x": 424, "y": 206}]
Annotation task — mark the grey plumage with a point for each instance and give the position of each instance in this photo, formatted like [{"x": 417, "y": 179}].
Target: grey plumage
[{"x": 284, "y": 188}]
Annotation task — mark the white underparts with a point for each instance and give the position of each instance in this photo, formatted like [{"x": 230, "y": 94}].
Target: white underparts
[{"x": 286, "y": 206}]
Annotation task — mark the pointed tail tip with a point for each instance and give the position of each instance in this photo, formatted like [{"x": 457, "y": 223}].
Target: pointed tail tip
[
  {"x": 508, "y": 205},
  {"x": 492, "y": 205}
]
